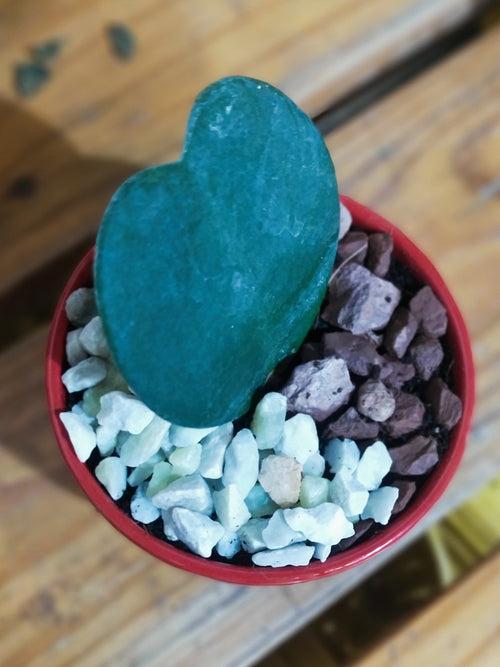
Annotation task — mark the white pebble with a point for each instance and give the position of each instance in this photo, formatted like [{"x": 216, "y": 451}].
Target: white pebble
[
  {"x": 280, "y": 476},
  {"x": 264, "y": 453},
  {"x": 106, "y": 439},
  {"x": 182, "y": 436},
  {"x": 315, "y": 465},
  {"x": 185, "y": 460},
  {"x": 269, "y": 419},
  {"x": 113, "y": 475},
  {"x": 113, "y": 381},
  {"x": 92, "y": 400},
  {"x": 241, "y": 462},
  {"x": 213, "y": 449},
  {"x": 141, "y": 507},
  {"x": 121, "y": 438},
  {"x": 373, "y": 466},
  {"x": 345, "y": 221},
  {"x": 230, "y": 508},
  {"x": 74, "y": 350},
  {"x": 278, "y": 533},
  {"x": 342, "y": 454},
  {"x": 348, "y": 493},
  {"x": 259, "y": 502},
  {"x": 80, "y": 433},
  {"x": 298, "y": 554},
  {"x": 144, "y": 471},
  {"x": 163, "y": 475},
  {"x": 229, "y": 545},
  {"x": 251, "y": 535},
  {"x": 93, "y": 339},
  {"x": 166, "y": 446},
  {"x": 380, "y": 504},
  {"x": 168, "y": 525},
  {"x": 215, "y": 484},
  {"x": 300, "y": 438},
  {"x": 197, "y": 531},
  {"x": 139, "y": 448},
  {"x": 78, "y": 410},
  {"x": 81, "y": 306},
  {"x": 124, "y": 412},
  {"x": 325, "y": 523},
  {"x": 191, "y": 492},
  {"x": 85, "y": 374},
  {"x": 313, "y": 491},
  {"x": 322, "y": 551}
]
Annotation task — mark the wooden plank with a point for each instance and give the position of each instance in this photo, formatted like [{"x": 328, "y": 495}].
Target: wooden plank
[
  {"x": 435, "y": 172},
  {"x": 461, "y": 628},
  {"x": 65, "y": 150},
  {"x": 72, "y": 591},
  {"x": 305, "y": 648}
]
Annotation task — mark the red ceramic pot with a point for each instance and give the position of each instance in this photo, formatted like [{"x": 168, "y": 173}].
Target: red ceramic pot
[{"x": 463, "y": 382}]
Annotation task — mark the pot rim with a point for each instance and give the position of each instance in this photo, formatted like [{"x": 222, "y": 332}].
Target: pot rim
[{"x": 464, "y": 385}]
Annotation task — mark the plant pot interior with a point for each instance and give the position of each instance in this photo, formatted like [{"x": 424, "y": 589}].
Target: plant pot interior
[{"x": 409, "y": 271}]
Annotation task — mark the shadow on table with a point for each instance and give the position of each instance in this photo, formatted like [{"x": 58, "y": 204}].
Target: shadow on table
[
  {"x": 51, "y": 198},
  {"x": 47, "y": 191}
]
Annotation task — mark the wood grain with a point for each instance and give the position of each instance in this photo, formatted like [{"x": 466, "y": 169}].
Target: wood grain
[
  {"x": 435, "y": 171},
  {"x": 99, "y": 119},
  {"x": 462, "y": 628},
  {"x": 74, "y": 592}
]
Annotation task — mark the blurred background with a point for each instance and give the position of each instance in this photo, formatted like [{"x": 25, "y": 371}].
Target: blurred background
[{"x": 407, "y": 95}]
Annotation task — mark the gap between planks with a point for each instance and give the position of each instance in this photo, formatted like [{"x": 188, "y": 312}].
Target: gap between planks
[{"x": 460, "y": 628}]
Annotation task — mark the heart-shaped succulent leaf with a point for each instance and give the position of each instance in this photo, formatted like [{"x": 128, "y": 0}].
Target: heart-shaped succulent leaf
[{"x": 210, "y": 270}]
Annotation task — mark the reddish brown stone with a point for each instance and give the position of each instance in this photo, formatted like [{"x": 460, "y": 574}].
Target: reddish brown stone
[
  {"x": 407, "y": 417},
  {"x": 311, "y": 351},
  {"x": 445, "y": 405},
  {"x": 396, "y": 373},
  {"x": 400, "y": 332},
  {"x": 345, "y": 221},
  {"x": 351, "y": 425},
  {"x": 319, "y": 388},
  {"x": 429, "y": 313},
  {"x": 376, "y": 338},
  {"x": 416, "y": 457},
  {"x": 358, "y": 352},
  {"x": 375, "y": 401},
  {"x": 379, "y": 253},
  {"x": 407, "y": 490},
  {"x": 353, "y": 247},
  {"x": 360, "y": 528},
  {"x": 427, "y": 355},
  {"x": 359, "y": 301}
]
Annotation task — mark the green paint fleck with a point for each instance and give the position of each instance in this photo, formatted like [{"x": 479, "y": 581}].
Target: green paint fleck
[
  {"x": 46, "y": 52},
  {"x": 121, "y": 40},
  {"x": 29, "y": 77}
]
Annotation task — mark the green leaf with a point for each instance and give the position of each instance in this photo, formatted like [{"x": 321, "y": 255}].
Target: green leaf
[{"x": 211, "y": 270}]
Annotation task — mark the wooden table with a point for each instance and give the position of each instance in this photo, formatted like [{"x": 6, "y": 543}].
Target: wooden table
[
  {"x": 460, "y": 628},
  {"x": 427, "y": 155}
]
